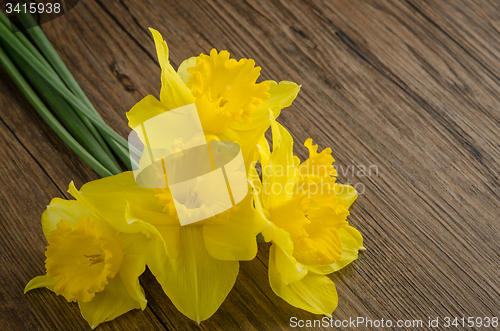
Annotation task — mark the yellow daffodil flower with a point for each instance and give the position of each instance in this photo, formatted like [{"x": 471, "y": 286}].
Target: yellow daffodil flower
[
  {"x": 231, "y": 106},
  {"x": 307, "y": 212},
  {"x": 90, "y": 262},
  {"x": 196, "y": 264}
]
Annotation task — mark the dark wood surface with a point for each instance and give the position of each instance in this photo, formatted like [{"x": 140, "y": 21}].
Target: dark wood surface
[{"x": 411, "y": 87}]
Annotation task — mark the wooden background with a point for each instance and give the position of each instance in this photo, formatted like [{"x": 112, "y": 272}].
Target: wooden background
[{"x": 411, "y": 87}]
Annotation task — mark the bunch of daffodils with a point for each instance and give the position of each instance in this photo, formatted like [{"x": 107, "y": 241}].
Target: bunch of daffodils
[{"x": 103, "y": 240}]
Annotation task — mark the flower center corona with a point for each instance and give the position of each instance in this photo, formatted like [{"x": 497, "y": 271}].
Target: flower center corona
[
  {"x": 225, "y": 90},
  {"x": 81, "y": 259},
  {"x": 313, "y": 228}
]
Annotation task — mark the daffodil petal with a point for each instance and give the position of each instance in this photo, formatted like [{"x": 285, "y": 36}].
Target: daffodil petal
[
  {"x": 356, "y": 235},
  {"x": 247, "y": 140},
  {"x": 247, "y": 135},
  {"x": 154, "y": 224},
  {"x": 256, "y": 184},
  {"x": 280, "y": 176},
  {"x": 352, "y": 242},
  {"x": 174, "y": 92},
  {"x": 108, "y": 196},
  {"x": 182, "y": 70},
  {"x": 132, "y": 267},
  {"x": 108, "y": 304},
  {"x": 145, "y": 109},
  {"x": 41, "y": 281},
  {"x": 271, "y": 232},
  {"x": 280, "y": 237},
  {"x": 287, "y": 266},
  {"x": 196, "y": 282},
  {"x": 133, "y": 243},
  {"x": 314, "y": 293},
  {"x": 69, "y": 210},
  {"x": 264, "y": 151},
  {"x": 282, "y": 96},
  {"x": 231, "y": 236},
  {"x": 347, "y": 193}
]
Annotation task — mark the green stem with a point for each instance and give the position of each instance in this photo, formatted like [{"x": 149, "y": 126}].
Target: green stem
[
  {"x": 48, "y": 117},
  {"x": 55, "y": 83},
  {"x": 64, "y": 112},
  {"x": 51, "y": 55},
  {"x": 56, "y": 62}
]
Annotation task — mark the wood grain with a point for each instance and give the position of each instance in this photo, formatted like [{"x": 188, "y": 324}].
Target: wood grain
[{"x": 411, "y": 87}]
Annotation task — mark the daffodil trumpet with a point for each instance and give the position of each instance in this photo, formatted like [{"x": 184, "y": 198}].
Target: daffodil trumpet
[
  {"x": 306, "y": 211},
  {"x": 90, "y": 262}
]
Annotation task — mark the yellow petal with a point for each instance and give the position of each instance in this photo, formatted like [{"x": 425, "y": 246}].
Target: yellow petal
[
  {"x": 290, "y": 216},
  {"x": 287, "y": 266},
  {"x": 314, "y": 293},
  {"x": 133, "y": 243},
  {"x": 174, "y": 93},
  {"x": 133, "y": 266},
  {"x": 247, "y": 140},
  {"x": 41, "y": 281},
  {"x": 108, "y": 196},
  {"x": 185, "y": 65},
  {"x": 352, "y": 242},
  {"x": 264, "y": 151},
  {"x": 111, "y": 198},
  {"x": 69, "y": 210},
  {"x": 357, "y": 236},
  {"x": 248, "y": 135},
  {"x": 145, "y": 109},
  {"x": 271, "y": 232},
  {"x": 196, "y": 282},
  {"x": 280, "y": 237},
  {"x": 282, "y": 96},
  {"x": 347, "y": 193},
  {"x": 280, "y": 176},
  {"x": 154, "y": 224},
  {"x": 231, "y": 236},
  {"x": 108, "y": 304}
]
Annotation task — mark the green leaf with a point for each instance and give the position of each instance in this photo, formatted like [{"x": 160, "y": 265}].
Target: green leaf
[
  {"x": 67, "y": 116},
  {"x": 52, "y": 80},
  {"x": 53, "y": 58},
  {"x": 47, "y": 116}
]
